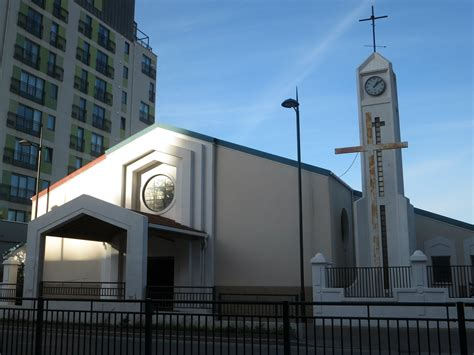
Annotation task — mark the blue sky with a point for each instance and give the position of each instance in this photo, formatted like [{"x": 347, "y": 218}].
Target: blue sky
[{"x": 225, "y": 66}]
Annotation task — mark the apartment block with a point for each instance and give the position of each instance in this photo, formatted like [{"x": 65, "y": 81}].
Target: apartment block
[{"x": 77, "y": 75}]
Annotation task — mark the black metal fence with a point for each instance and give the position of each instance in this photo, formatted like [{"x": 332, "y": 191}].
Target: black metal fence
[
  {"x": 458, "y": 279},
  {"x": 187, "y": 296},
  {"x": 369, "y": 282},
  {"x": 53, "y": 327}
]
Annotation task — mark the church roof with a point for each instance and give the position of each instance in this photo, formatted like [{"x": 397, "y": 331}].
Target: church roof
[{"x": 167, "y": 222}]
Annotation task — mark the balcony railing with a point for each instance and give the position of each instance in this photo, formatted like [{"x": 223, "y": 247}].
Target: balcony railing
[
  {"x": 16, "y": 194},
  {"x": 55, "y": 71},
  {"x": 57, "y": 41},
  {"x": 39, "y": 3},
  {"x": 79, "y": 113},
  {"x": 23, "y": 124},
  {"x": 76, "y": 143},
  {"x": 106, "y": 42},
  {"x": 27, "y": 57},
  {"x": 85, "y": 29},
  {"x": 83, "y": 56},
  {"x": 97, "y": 149},
  {"x": 81, "y": 84},
  {"x": 20, "y": 159},
  {"x": 103, "y": 96},
  {"x": 28, "y": 91},
  {"x": 104, "y": 68},
  {"x": 149, "y": 70},
  {"x": 30, "y": 25},
  {"x": 146, "y": 118},
  {"x": 60, "y": 12},
  {"x": 83, "y": 289},
  {"x": 369, "y": 282},
  {"x": 458, "y": 279},
  {"x": 101, "y": 123}
]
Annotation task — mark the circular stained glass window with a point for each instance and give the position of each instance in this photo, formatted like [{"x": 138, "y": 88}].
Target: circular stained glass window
[{"x": 158, "y": 192}]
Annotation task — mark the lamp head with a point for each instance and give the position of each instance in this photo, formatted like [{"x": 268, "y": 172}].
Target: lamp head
[
  {"x": 24, "y": 142},
  {"x": 290, "y": 103}
]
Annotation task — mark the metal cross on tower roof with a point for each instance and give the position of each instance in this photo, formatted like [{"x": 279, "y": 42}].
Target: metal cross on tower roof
[{"x": 373, "y": 18}]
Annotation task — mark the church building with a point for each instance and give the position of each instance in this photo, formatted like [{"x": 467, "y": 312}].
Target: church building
[{"x": 173, "y": 207}]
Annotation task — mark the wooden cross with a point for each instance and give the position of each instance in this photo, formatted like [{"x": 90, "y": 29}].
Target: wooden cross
[{"x": 372, "y": 148}]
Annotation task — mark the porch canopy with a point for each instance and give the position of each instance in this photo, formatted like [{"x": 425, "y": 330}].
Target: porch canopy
[{"x": 89, "y": 218}]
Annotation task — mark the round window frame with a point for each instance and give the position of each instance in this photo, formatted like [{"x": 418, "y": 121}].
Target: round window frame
[{"x": 164, "y": 210}]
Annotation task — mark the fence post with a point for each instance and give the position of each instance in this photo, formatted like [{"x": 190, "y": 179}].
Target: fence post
[
  {"x": 318, "y": 269},
  {"x": 148, "y": 326},
  {"x": 462, "y": 328},
  {"x": 418, "y": 270},
  {"x": 39, "y": 326},
  {"x": 286, "y": 328}
]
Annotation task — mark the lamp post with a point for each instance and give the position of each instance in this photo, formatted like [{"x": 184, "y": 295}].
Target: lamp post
[
  {"x": 295, "y": 105},
  {"x": 38, "y": 162}
]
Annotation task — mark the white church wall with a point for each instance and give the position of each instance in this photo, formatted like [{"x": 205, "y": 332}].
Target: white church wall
[
  {"x": 73, "y": 260},
  {"x": 428, "y": 230},
  {"x": 257, "y": 240}
]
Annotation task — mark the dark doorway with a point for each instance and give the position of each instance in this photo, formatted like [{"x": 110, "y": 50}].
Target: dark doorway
[
  {"x": 160, "y": 271},
  {"x": 160, "y": 280}
]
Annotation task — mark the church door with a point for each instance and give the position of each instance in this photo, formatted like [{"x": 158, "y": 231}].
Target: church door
[{"x": 160, "y": 281}]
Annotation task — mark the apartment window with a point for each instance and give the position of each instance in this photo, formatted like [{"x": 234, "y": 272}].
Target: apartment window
[
  {"x": 22, "y": 186},
  {"x": 82, "y": 104},
  {"x": 124, "y": 98},
  {"x": 28, "y": 119},
  {"x": 151, "y": 92},
  {"x": 101, "y": 62},
  {"x": 86, "y": 47},
  {"x": 31, "y": 86},
  {"x": 84, "y": 75},
  {"x": 51, "y": 123},
  {"x": 52, "y": 64},
  {"x": 147, "y": 67},
  {"x": 26, "y": 154},
  {"x": 125, "y": 72},
  {"x": 53, "y": 34},
  {"x": 33, "y": 22},
  {"x": 146, "y": 61},
  {"x": 145, "y": 113},
  {"x": 122, "y": 123},
  {"x": 77, "y": 140},
  {"x": 53, "y": 91},
  {"x": 77, "y": 163},
  {"x": 84, "y": 53},
  {"x": 97, "y": 144},
  {"x": 104, "y": 34},
  {"x": 17, "y": 216},
  {"x": 28, "y": 53},
  {"x": 99, "y": 112},
  {"x": 48, "y": 155},
  {"x": 44, "y": 184},
  {"x": 441, "y": 269},
  {"x": 127, "y": 48}
]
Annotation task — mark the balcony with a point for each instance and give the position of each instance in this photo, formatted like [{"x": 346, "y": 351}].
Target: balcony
[
  {"x": 85, "y": 29},
  {"x": 81, "y": 84},
  {"x": 16, "y": 194},
  {"x": 27, "y": 57},
  {"x": 79, "y": 113},
  {"x": 39, "y": 3},
  {"x": 23, "y": 124},
  {"x": 146, "y": 118},
  {"x": 83, "y": 56},
  {"x": 149, "y": 70},
  {"x": 28, "y": 91},
  {"x": 151, "y": 96},
  {"x": 57, "y": 41},
  {"x": 55, "y": 71},
  {"x": 76, "y": 143},
  {"x": 60, "y": 12},
  {"x": 20, "y": 159},
  {"x": 97, "y": 149},
  {"x": 30, "y": 25},
  {"x": 103, "y": 96},
  {"x": 105, "y": 69},
  {"x": 101, "y": 123},
  {"x": 105, "y": 42}
]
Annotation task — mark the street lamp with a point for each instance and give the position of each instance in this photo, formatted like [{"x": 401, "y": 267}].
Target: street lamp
[
  {"x": 38, "y": 162},
  {"x": 295, "y": 105}
]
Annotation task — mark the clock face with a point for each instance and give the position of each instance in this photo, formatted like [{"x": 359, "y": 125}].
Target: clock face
[
  {"x": 375, "y": 86},
  {"x": 158, "y": 192}
]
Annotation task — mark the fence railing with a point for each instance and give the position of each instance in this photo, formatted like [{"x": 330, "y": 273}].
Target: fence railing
[
  {"x": 458, "y": 279},
  {"x": 80, "y": 326},
  {"x": 83, "y": 289},
  {"x": 369, "y": 282},
  {"x": 165, "y": 296}
]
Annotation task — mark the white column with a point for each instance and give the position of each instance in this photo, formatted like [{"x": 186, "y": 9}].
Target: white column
[
  {"x": 418, "y": 269},
  {"x": 10, "y": 270},
  {"x": 137, "y": 256}
]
